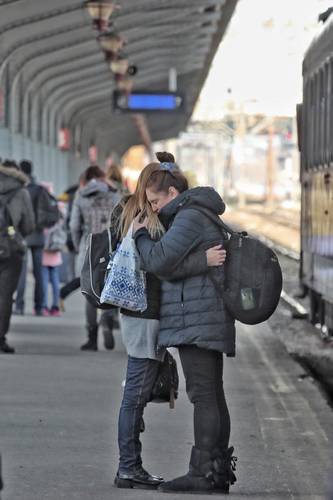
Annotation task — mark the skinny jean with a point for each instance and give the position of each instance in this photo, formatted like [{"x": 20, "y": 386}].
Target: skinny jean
[
  {"x": 203, "y": 370},
  {"x": 51, "y": 275},
  {"x": 140, "y": 377}
]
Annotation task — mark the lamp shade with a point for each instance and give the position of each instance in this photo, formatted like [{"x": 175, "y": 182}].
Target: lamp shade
[
  {"x": 120, "y": 66},
  {"x": 100, "y": 12},
  {"x": 111, "y": 42}
]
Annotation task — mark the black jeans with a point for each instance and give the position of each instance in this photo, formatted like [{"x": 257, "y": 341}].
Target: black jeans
[
  {"x": 9, "y": 275},
  {"x": 92, "y": 317},
  {"x": 36, "y": 253},
  {"x": 203, "y": 370}
]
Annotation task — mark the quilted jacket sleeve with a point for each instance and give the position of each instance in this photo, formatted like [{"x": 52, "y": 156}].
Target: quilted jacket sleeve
[
  {"x": 194, "y": 264},
  {"x": 164, "y": 256}
]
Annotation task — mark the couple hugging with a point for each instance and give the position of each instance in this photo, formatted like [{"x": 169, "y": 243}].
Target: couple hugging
[{"x": 180, "y": 251}]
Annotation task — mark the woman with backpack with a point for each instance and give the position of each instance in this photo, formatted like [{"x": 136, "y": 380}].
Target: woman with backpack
[
  {"x": 55, "y": 240},
  {"x": 192, "y": 318},
  {"x": 91, "y": 212},
  {"x": 140, "y": 332}
]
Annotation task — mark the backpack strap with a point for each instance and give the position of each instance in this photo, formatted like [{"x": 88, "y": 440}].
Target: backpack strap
[
  {"x": 7, "y": 198},
  {"x": 215, "y": 219}
]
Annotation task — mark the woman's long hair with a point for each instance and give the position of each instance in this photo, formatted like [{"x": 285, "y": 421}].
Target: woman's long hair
[{"x": 138, "y": 204}]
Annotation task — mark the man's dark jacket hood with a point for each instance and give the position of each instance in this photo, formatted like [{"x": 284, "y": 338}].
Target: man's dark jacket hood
[{"x": 205, "y": 197}]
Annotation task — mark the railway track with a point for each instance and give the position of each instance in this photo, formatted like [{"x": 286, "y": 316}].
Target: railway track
[{"x": 286, "y": 218}]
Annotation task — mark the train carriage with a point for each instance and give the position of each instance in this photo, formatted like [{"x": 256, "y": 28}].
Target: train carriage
[{"x": 315, "y": 130}]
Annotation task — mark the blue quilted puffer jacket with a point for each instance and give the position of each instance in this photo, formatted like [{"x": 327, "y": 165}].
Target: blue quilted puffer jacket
[{"x": 192, "y": 309}]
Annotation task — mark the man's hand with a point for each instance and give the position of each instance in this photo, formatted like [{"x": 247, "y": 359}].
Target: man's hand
[{"x": 216, "y": 256}]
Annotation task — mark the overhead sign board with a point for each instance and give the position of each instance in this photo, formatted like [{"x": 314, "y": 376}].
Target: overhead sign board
[{"x": 146, "y": 102}]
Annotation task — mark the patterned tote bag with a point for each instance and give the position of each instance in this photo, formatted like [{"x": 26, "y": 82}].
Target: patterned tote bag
[{"x": 125, "y": 285}]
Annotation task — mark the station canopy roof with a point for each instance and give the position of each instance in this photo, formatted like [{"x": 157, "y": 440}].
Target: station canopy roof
[{"x": 49, "y": 49}]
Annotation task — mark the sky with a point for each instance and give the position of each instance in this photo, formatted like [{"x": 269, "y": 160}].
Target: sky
[{"x": 260, "y": 58}]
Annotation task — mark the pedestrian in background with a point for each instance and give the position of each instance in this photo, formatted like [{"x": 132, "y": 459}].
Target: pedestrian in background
[
  {"x": 35, "y": 243},
  {"x": 91, "y": 213},
  {"x": 55, "y": 240},
  {"x": 16, "y": 219},
  {"x": 68, "y": 197},
  {"x": 115, "y": 179},
  {"x": 193, "y": 318}
]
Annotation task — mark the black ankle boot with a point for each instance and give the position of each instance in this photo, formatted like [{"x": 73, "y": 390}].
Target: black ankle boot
[
  {"x": 224, "y": 466},
  {"x": 91, "y": 345},
  {"x": 200, "y": 478},
  {"x": 6, "y": 349}
]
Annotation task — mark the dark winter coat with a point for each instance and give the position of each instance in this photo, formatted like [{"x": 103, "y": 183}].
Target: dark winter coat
[
  {"x": 20, "y": 207},
  {"x": 36, "y": 238},
  {"x": 192, "y": 309}
]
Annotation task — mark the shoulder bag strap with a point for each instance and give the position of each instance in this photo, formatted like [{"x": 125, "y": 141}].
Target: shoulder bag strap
[
  {"x": 214, "y": 218},
  {"x": 7, "y": 200}
]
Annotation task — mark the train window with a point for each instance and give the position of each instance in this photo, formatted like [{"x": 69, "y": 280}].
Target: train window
[
  {"x": 307, "y": 123},
  {"x": 311, "y": 123},
  {"x": 321, "y": 110},
  {"x": 326, "y": 114},
  {"x": 330, "y": 138},
  {"x": 316, "y": 119}
]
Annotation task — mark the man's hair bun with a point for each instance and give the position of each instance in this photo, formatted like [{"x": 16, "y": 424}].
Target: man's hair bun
[{"x": 164, "y": 156}]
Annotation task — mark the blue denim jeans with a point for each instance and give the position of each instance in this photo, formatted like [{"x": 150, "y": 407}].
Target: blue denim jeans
[
  {"x": 140, "y": 377},
  {"x": 51, "y": 275}
]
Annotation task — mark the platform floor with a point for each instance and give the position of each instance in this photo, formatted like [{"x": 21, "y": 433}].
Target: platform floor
[{"x": 59, "y": 407}]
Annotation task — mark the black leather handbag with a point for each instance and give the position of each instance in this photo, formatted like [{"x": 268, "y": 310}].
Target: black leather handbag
[{"x": 165, "y": 389}]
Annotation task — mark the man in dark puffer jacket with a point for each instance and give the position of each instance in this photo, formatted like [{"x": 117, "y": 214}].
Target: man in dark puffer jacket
[
  {"x": 194, "y": 319},
  {"x": 17, "y": 201}
]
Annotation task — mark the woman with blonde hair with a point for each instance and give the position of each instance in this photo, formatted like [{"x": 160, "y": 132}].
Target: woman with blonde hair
[{"x": 140, "y": 334}]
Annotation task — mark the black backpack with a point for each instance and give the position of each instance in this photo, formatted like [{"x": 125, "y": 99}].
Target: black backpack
[
  {"x": 11, "y": 242},
  {"x": 46, "y": 209},
  {"x": 253, "y": 276},
  {"x": 94, "y": 269}
]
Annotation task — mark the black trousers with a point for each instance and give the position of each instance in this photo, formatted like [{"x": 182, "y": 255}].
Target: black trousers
[
  {"x": 9, "y": 275},
  {"x": 92, "y": 317},
  {"x": 203, "y": 370},
  {"x": 37, "y": 268}
]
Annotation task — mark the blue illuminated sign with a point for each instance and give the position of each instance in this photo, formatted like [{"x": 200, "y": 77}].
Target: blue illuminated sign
[{"x": 148, "y": 101}]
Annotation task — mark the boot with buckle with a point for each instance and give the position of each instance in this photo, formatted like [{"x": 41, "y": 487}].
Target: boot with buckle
[
  {"x": 201, "y": 477},
  {"x": 224, "y": 467}
]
